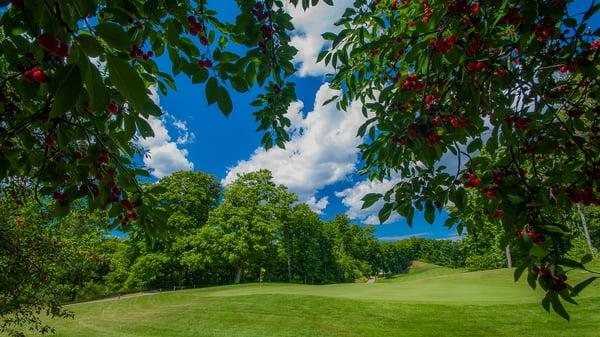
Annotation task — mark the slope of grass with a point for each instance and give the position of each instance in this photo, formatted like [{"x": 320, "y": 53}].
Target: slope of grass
[{"x": 428, "y": 301}]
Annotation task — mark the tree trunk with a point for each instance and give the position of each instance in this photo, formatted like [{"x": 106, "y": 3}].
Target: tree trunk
[
  {"x": 509, "y": 256},
  {"x": 238, "y": 273},
  {"x": 586, "y": 232},
  {"x": 289, "y": 268}
]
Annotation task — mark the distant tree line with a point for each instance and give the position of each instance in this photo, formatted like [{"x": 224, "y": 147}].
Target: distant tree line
[{"x": 253, "y": 230}]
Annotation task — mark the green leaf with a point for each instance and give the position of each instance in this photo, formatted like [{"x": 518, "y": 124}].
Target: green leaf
[
  {"x": 144, "y": 128},
  {"x": 519, "y": 271},
  {"x": 474, "y": 145},
  {"x": 429, "y": 212},
  {"x": 329, "y": 36},
  {"x": 224, "y": 101},
  {"x": 239, "y": 84},
  {"x": 370, "y": 199},
  {"x": 571, "y": 263},
  {"x": 67, "y": 90},
  {"x": 212, "y": 90},
  {"x": 227, "y": 57},
  {"x": 128, "y": 82},
  {"x": 582, "y": 285},
  {"x": 559, "y": 308},
  {"x": 546, "y": 301},
  {"x": 586, "y": 258},
  {"x": 96, "y": 90},
  {"x": 89, "y": 44},
  {"x": 385, "y": 212},
  {"x": 532, "y": 280},
  {"x": 114, "y": 35}
]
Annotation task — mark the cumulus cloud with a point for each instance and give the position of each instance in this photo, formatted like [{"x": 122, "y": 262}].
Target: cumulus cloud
[
  {"x": 352, "y": 198},
  {"x": 322, "y": 150},
  {"x": 309, "y": 26},
  {"x": 163, "y": 155},
  {"x": 317, "y": 205}
]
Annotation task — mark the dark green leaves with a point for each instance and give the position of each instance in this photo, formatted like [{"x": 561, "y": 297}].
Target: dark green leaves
[
  {"x": 90, "y": 45},
  {"x": 68, "y": 86},
  {"x": 370, "y": 199},
  {"x": 519, "y": 271},
  {"x": 114, "y": 35},
  {"x": 558, "y": 306},
  {"x": 218, "y": 94},
  {"x": 224, "y": 101},
  {"x": 212, "y": 90},
  {"x": 429, "y": 212},
  {"x": 582, "y": 285},
  {"x": 128, "y": 82},
  {"x": 96, "y": 89},
  {"x": 144, "y": 128},
  {"x": 385, "y": 212}
]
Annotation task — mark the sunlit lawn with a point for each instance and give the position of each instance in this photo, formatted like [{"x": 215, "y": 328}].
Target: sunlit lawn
[{"x": 428, "y": 301}]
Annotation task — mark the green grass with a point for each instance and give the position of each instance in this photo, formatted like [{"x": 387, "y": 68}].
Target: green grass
[{"x": 428, "y": 301}]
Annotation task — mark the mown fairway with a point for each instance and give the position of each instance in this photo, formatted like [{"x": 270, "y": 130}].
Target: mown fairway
[{"x": 429, "y": 301}]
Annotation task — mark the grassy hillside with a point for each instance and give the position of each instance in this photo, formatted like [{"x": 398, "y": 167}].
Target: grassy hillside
[{"x": 428, "y": 301}]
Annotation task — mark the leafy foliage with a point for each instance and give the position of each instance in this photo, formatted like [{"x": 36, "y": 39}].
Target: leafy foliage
[
  {"x": 448, "y": 79},
  {"x": 76, "y": 77}
]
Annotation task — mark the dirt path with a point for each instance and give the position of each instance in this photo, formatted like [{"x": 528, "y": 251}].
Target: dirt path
[{"x": 122, "y": 297}]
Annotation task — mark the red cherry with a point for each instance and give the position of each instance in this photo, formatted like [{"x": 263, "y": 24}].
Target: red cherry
[
  {"x": 48, "y": 42},
  {"x": 489, "y": 192},
  {"x": 475, "y": 8},
  {"x": 455, "y": 122},
  {"x": 193, "y": 31},
  {"x": 62, "y": 50},
  {"x": 203, "y": 40},
  {"x": 59, "y": 196},
  {"x": 499, "y": 213},
  {"x": 128, "y": 204},
  {"x": 501, "y": 72},
  {"x": 520, "y": 233},
  {"x": 191, "y": 19},
  {"x": 428, "y": 99},
  {"x": 564, "y": 69},
  {"x": 39, "y": 76},
  {"x": 49, "y": 141},
  {"x": 113, "y": 108},
  {"x": 433, "y": 138},
  {"x": 139, "y": 25}
]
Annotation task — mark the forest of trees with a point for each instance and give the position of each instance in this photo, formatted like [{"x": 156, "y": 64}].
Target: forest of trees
[{"x": 251, "y": 231}]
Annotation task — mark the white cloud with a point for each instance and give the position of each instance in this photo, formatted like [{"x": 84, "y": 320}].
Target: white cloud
[
  {"x": 352, "y": 198},
  {"x": 185, "y": 136},
  {"x": 322, "y": 150},
  {"x": 163, "y": 155},
  {"x": 309, "y": 26},
  {"x": 317, "y": 205}
]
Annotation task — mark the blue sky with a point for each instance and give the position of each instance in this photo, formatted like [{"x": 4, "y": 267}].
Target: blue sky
[{"x": 319, "y": 164}]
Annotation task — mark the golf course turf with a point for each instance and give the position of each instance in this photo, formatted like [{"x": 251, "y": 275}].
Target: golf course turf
[{"x": 427, "y": 301}]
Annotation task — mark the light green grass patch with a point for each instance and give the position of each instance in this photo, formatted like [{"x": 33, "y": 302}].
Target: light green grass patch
[{"x": 428, "y": 301}]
